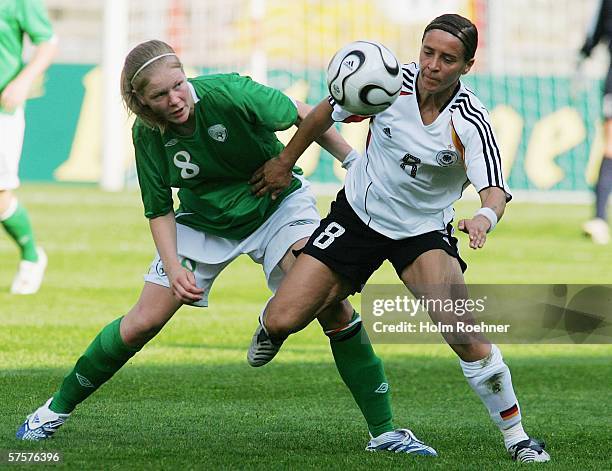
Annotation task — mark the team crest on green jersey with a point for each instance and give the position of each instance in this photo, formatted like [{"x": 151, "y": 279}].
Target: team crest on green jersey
[{"x": 218, "y": 132}]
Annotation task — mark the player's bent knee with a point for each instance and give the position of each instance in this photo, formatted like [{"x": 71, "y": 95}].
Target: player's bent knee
[
  {"x": 279, "y": 327},
  {"x": 139, "y": 326},
  {"x": 282, "y": 320}
]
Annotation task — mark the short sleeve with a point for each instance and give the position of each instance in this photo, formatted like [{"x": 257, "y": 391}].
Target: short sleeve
[
  {"x": 34, "y": 21},
  {"x": 340, "y": 115},
  {"x": 267, "y": 107},
  {"x": 481, "y": 151},
  {"x": 156, "y": 194}
]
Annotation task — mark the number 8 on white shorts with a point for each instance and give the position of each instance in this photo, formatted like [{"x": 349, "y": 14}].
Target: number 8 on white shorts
[{"x": 325, "y": 238}]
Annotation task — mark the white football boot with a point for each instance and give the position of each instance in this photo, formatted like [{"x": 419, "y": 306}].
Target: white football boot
[
  {"x": 30, "y": 275},
  {"x": 529, "y": 451},
  {"x": 42, "y": 424},
  {"x": 400, "y": 441},
  {"x": 597, "y": 229}
]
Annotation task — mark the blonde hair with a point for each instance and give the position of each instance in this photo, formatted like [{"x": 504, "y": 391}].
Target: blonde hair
[{"x": 137, "y": 68}]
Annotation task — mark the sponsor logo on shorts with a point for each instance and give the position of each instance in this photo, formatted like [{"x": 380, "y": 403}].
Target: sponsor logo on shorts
[
  {"x": 303, "y": 222},
  {"x": 159, "y": 269},
  {"x": 188, "y": 264}
]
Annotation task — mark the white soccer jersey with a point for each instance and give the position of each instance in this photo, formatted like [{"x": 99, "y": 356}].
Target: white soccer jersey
[{"x": 411, "y": 174}]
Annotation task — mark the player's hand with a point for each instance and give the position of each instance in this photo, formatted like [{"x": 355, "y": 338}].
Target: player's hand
[
  {"x": 272, "y": 177},
  {"x": 476, "y": 228},
  {"x": 183, "y": 285},
  {"x": 14, "y": 95}
]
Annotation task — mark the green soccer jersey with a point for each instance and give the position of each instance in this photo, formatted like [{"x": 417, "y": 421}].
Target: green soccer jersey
[
  {"x": 234, "y": 135},
  {"x": 19, "y": 17}
]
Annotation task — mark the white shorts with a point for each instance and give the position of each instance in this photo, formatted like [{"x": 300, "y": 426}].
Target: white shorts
[
  {"x": 12, "y": 127},
  {"x": 207, "y": 255}
]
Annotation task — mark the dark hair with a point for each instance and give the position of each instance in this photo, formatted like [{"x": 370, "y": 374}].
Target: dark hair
[
  {"x": 460, "y": 27},
  {"x": 134, "y": 78}
]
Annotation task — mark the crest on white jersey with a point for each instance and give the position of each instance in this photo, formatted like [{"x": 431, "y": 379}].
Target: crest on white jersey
[
  {"x": 218, "y": 132},
  {"x": 447, "y": 157}
]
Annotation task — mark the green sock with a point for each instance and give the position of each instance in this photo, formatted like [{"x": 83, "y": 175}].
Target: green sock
[
  {"x": 19, "y": 228},
  {"x": 102, "y": 359},
  {"x": 362, "y": 371}
]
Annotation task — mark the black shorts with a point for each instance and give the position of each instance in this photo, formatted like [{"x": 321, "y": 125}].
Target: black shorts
[{"x": 350, "y": 248}]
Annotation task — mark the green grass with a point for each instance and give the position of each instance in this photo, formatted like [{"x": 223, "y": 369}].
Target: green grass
[{"x": 190, "y": 401}]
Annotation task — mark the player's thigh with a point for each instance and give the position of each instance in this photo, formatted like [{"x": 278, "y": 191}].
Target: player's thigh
[
  {"x": 289, "y": 258},
  {"x": 434, "y": 267},
  {"x": 203, "y": 254},
  {"x": 436, "y": 277},
  {"x": 154, "y": 308},
  {"x": 308, "y": 288},
  {"x": 287, "y": 230},
  {"x": 205, "y": 274},
  {"x": 11, "y": 136}
]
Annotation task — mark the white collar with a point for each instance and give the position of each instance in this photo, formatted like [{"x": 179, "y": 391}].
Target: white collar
[{"x": 193, "y": 93}]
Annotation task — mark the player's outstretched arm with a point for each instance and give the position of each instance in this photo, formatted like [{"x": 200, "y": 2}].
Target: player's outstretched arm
[
  {"x": 331, "y": 140},
  {"x": 493, "y": 204},
  {"x": 275, "y": 175}
]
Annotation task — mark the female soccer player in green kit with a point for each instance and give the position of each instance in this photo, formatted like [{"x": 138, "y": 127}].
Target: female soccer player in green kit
[{"x": 206, "y": 136}]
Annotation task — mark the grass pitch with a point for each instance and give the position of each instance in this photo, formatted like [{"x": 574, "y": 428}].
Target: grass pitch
[{"x": 190, "y": 401}]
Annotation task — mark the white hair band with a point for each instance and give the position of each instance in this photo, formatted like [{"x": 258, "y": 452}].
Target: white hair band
[{"x": 149, "y": 62}]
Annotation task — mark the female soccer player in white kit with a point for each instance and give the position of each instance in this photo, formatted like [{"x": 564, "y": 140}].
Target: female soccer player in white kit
[{"x": 397, "y": 205}]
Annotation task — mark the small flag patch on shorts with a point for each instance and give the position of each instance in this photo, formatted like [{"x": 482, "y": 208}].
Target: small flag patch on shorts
[{"x": 509, "y": 413}]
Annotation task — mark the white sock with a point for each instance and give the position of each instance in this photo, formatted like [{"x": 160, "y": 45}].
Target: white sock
[
  {"x": 490, "y": 379},
  {"x": 513, "y": 435}
]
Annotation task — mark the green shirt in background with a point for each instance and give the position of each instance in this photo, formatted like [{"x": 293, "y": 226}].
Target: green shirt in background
[
  {"x": 236, "y": 119},
  {"x": 19, "y": 17}
]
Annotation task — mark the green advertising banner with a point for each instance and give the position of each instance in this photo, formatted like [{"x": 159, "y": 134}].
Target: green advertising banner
[{"x": 550, "y": 139}]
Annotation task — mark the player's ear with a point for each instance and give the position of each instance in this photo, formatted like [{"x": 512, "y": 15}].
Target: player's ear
[
  {"x": 139, "y": 97},
  {"x": 468, "y": 66}
]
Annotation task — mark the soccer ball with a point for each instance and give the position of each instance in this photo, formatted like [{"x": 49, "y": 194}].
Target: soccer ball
[{"x": 364, "y": 78}]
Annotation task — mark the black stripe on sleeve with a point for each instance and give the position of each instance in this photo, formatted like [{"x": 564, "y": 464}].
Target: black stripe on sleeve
[
  {"x": 482, "y": 141},
  {"x": 496, "y": 155},
  {"x": 490, "y": 148}
]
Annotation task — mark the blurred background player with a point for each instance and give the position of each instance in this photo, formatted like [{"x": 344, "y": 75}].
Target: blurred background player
[
  {"x": 601, "y": 30},
  {"x": 19, "y": 18}
]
